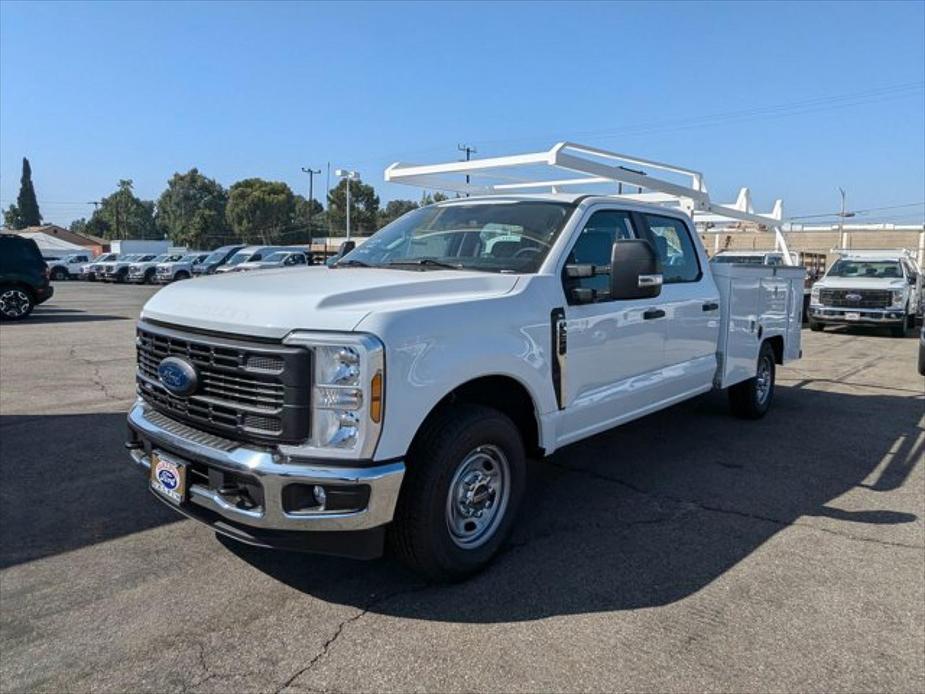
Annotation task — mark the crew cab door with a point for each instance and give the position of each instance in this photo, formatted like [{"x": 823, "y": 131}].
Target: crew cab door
[
  {"x": 691, "y": 301},
  {"x": 614, "y": 350}
]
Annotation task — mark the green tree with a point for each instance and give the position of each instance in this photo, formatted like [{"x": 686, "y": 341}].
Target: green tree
[
  {"x": 260, "y": 211},
  {"x": 364, "y": 207},
  {"x": 301, "y": 218},
  {"x": 395, "y": 209},
  {"x": 25, "y": 213},
  {"x": 428, "y": 199},
  {"x": 122, "y": 215},
  {"x": 93, "y": 226},
  {"x": 191, "y": 211}
]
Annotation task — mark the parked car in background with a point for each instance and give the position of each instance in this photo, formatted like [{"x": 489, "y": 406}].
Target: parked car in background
[
  {"x": 68, "y": 266},
  {"x": 145, "y": 271},
  {"x": 922, "y": 351},
  {"x": 277, "y": 259},
  {"x": 91, "y": 270},
  {"x": 117, "y": 270},
  {"x": 874, "y": 288},
  {"x": 246, "y": 254},
  {"x": 216, "y": 259},
  {"x": 23, "y": 277},
  {"x": 180, "y": 269}
]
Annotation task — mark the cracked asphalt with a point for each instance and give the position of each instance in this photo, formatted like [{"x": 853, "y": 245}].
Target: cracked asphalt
[{"x": 687, "y": 551}]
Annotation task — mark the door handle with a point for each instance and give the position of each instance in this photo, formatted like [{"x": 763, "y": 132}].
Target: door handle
[
  {"x": 653, "y": 313},
  {"x": 710, "y": 306}
]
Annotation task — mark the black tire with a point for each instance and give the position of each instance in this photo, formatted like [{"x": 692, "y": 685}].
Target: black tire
[
  {"x": 15, "y": 303},
  {"x": 752, "y": 399},
  {"x": 59, "y": 274},
  {"x": 438, "y": 460},
  {"x": 816, "y": 326},
  {"x": 149, "y": 276},
  {"x": 91, "y": 277},
  {"x": 182, "y": 275},
  {"x": 898, "y": 330}
]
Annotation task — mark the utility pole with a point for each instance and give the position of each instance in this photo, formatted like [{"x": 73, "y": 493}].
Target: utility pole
[
  {"x": 469, "y": 151},
  {"x": 311, "y": 199},
  {"x": 841, "y": 219}
]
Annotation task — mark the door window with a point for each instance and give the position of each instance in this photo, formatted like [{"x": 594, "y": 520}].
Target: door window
[
  {"x": 675, "y": 249},
  {"x": 593, "y": 246}
]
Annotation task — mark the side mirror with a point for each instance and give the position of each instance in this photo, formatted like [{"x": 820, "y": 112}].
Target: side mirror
[{"x": 635, "y": 270}]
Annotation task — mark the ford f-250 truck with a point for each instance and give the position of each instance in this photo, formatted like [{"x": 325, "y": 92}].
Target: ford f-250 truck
[
  {"x": 868, "y": 287},
  {"x": 401, "y": 392}
]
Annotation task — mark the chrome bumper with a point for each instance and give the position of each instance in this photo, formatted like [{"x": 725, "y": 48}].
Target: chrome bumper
[
  {"x": 273, "y": 473},
  {"x": 830, "y": 314}
]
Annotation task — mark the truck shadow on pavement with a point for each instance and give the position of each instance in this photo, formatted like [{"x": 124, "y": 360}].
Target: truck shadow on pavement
[
  {"x": 66, "y": 484},
  {"x": 652, "y": 512}
]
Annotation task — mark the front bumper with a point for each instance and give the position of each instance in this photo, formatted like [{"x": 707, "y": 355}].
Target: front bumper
[
  {"x": 356, "y": 533},
  {"x": 866, "y": 316}
]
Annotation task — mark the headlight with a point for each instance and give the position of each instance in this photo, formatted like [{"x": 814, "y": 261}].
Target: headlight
[
  {"x": 899, "y": 298},
  {"x": 347, "y": 392},
  {"x": 814, "y": 294}
]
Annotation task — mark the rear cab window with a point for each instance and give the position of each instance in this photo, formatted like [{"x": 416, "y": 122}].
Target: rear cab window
[{"x": 674, "y": 247}]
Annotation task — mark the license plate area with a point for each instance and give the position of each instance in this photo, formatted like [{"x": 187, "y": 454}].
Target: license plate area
[
  {"x": 168, "y": 477},
  {"x": 851, "y": 315}
]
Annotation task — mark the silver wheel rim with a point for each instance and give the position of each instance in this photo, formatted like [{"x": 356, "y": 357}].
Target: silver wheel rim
[
  {"x": 763, "y": 381},
  {"x": 478, "y": 497},
  {"x": 14, "y": 303}
]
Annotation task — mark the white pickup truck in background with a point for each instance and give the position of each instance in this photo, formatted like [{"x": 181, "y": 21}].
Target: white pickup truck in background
[
  {"x": 403, "y": 390},
  {"x": 868, "y": 287}
]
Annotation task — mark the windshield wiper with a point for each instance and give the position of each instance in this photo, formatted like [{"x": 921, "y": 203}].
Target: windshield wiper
[
  {"x": 350, "y": 263},
  {"x": 423, "y": 262}
]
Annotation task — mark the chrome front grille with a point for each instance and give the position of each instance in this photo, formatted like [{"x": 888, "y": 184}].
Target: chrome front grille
[
  {"x": 856, "y": 298},
  {"x": 247, "y": 390}
]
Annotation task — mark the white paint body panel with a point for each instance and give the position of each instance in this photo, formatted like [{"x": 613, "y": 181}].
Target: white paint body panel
[{"x": 443, "y": 328}]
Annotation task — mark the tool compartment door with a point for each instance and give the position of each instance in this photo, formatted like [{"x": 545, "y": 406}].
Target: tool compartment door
[{"x": 740, "y": 288}]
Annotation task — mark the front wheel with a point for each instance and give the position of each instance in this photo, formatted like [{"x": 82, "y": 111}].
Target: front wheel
[
  {"x": 15, "y": 303},
  {"x": 465, "y": 480},
  {"x": 149, "y": 277},
  {"x": 815, "y": 326},
  {"x": 59, "y": 274},
  {"x": 182, "y": 275},
  {"x": 751, "y": 399}
]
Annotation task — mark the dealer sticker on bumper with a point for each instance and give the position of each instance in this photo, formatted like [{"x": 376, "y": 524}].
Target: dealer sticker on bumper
[{"x": 168, "y": 477}]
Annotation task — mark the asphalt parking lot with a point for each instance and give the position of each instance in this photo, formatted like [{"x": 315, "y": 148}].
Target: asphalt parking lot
[{"x": 687, "y": 551}]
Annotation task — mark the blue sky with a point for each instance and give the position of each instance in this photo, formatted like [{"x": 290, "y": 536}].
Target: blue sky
[{"x": 790, "y": 99}]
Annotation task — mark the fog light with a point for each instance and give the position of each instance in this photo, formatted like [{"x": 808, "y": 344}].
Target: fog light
[{"x": 320, "y": 495}]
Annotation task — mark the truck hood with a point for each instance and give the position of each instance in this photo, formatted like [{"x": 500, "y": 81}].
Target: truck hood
[
  {"x": 861, "y": 283},
  {"x": 273, "y": 303}
]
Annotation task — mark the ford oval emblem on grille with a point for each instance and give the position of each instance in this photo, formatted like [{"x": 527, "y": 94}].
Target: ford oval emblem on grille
[
  {"x": 853, "y": 297},
  {"x": 178, "y": 375}
]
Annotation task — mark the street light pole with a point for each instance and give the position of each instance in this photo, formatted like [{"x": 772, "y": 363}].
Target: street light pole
[
  {"x": 841, "y": 220},
  {"x": 469, "y": 151},
  {"x": 348, "y": 176},
  {"x": 311, "y": 199}
]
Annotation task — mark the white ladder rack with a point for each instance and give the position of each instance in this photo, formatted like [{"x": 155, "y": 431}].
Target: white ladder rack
[{"x": 568, "y": 166}]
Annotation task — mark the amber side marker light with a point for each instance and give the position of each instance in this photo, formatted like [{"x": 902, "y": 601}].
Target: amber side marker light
[{"x": 375, "y": 398}]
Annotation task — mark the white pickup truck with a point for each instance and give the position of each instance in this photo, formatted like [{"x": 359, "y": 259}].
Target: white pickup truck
[
  {"x": 402, "y": 391},
  {"x": 868, "y": 287}
]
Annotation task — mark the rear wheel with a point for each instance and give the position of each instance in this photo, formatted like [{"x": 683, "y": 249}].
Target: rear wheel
[
  {"x": 15, "y": 303},
  {"x": 465, "y": 480},
  {"x": 751, "y": 399}
]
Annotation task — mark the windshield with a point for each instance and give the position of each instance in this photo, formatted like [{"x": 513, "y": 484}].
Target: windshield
[
  {"x": 216, "y": 256},
  {"x": 189, "y": 258},
  {"x": 494, "y": 236},
  {"x": 240, "y": 257},
  {"x": 889, "y": 269},
  {"x": 277, "y": 257},
  {"x": 129, "y": 258}
]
